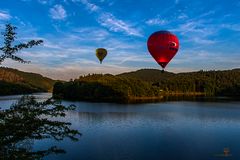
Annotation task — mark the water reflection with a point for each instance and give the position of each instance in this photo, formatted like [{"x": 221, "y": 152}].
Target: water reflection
[
  {"x": 167, "y": 130},
  {"x": 26, "y": 121},
  {"x": 165, "y": 111}
]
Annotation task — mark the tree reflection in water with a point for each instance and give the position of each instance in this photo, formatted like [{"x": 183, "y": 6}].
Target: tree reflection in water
[{"x": 28, "y": 120}]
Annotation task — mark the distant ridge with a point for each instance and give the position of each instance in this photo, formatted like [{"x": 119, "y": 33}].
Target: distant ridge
[
  {"x": 13, "y": 81},
  {"x": 236, "y": 69},
  {"x": 156, "y": 75},
  {"x": 146, "y": 84},
  {"x": 150, "y": 75},
  {"x": 226, "y": 82}
]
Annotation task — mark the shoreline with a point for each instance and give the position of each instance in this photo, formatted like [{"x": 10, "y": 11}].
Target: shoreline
[
  {"x": 156, "y": 99},
  {"x": 170, "y": 96}
]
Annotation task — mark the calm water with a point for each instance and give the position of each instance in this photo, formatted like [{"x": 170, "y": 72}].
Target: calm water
[{"x": 153, "y": 131}]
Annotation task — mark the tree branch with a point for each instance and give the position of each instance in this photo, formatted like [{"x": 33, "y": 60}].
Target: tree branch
[{"x": 8, "y": 49}]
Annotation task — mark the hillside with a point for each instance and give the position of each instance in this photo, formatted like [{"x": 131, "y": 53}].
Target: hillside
[
  {"x": 142, "y": 83},
  {"x": 149, "y": 83},
  {"x": 13, "y": 81},
  {"x": 213, "y": 82},
  {"x": 149, "y": 75},
  {"x": 107, "y": 87}
]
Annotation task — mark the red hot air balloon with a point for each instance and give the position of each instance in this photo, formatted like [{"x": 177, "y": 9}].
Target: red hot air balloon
[{"x": 163, "y": 45}]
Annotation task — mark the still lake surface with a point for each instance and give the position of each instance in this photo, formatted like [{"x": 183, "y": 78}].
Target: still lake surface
[{"x": 171, "y": 130}]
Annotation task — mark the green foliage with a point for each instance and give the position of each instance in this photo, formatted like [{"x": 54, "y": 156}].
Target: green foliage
[
  {"x": 213, "y": 83},
  {"x": 149, "y": 75},
  {"x": 13, "y": 81},
  {"x": 29, "y": 120},
  {"x": 143, "y": 84},
  {"x": 104, "y": 88},
  {"x": 9, "y": 49},
  {"x": 8, "y": 88}
]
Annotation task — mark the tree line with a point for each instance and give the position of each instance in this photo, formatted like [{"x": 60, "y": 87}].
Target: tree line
[
  {"x": 13, "y": 81},
  {"x": 27, "y": 119},
  {"x": 98, "y": 87},
  {"x": 211, "y": 83}
]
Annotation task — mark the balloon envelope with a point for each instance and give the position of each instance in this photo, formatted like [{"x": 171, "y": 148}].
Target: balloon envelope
[
  {"x": 101, "y": 54},
  {"x": 163, "y": 46}
]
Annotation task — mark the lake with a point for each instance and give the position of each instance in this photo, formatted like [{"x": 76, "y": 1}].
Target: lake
[{"x": 171, "y": 130}]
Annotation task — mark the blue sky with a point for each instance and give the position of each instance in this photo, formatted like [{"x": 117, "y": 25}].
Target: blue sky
[{"x": 208, "y": 31}]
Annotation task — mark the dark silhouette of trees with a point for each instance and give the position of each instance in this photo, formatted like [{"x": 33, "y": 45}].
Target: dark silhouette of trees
[
  {"x": 10, "y": 81},
  {"x": 142, "y": 85},
  {"x": 29, "y": 120},
  {"x": 104, "y": 88},
  {"x": 9, "y": 49},
  {"x": 9, "y": 88},
  {"x": 13, "y": 81}
]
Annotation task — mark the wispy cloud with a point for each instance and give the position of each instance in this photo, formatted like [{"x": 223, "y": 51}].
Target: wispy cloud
[
  {"x": 156, "y": 21},
  {"x": 108, "y": 20},
  {"x": 127, "y": 57},
  {"x": 203, "y": 41},
  {"x": 91, "y": 33},
  {"x": 197, "y": 31},
  {"x": 113, "y": 24},
  {"x": 208, "y": 36},
  {"x": 182, "y": 16},
  {"x": 196, "y": 27},
  {"x": 68, "y": 70},
  {"x": 70, "y": 58},
  {"x": 4, "y": 15},
  {"x": 203, "y": 59},
  {"x": 58, "y": 12},
  {"x": 43, "y": 1},
  {"x": 234, "y": 27},
  {"x": 90, "y": 6}
]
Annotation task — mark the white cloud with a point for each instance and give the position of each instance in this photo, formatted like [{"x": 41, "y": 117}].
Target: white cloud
[
  {"x": 197, "y": 59},
  {"x": 156, "y": 21},
  {"x": 43, "y": 1},
  {"x": 90, "y": 6},
  {"x": 70, "y": 58},
  {"x": 197, "y": 31},
  {"x": 182, "y": 16},
  {"x": 108, "y": 20},
  {"x": 234, "y": 27},
  {"x": 44, "y": 54},
  {"x": 193, "y": 27},
  {"x": 91, "y": 33},
  {"x": 50, "y": 2},
  {"x": 5, "y": 15},
  {"x": 113, "y": 24},
  {"x": 207, "y": 14},
  {"x": 130, "y": 57},
  {"x": 203, "y": 41},
  {"x": 68, "y": 70},
  {"x": 58, "y": 12}
]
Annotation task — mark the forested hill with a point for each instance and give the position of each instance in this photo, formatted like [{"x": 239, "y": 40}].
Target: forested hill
[
  {"x": 213, "y": 82},
  {"x": 150, "y": 75},
  {"x": 142, "y": 83},
  {"x": 147, "y": 83},
  {"x": 13, "y": 81},
  {"x": 155, "y": 75}
]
